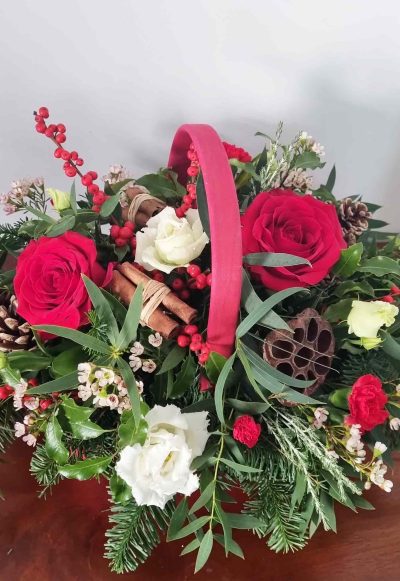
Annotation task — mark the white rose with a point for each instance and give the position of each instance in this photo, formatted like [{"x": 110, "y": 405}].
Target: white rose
[
  {"x": 168, "y": 242},
  {"x": 160, "y": 468},
  {"x": 365, "y": 319},
  {"x": 61, "y": 200}
]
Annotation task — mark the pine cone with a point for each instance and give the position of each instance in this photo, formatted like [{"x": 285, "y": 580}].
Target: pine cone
[
  {"x": 306, "y": 353},
  {"x": 15, "y": 333},
  {"x": 353, "y": 217}
]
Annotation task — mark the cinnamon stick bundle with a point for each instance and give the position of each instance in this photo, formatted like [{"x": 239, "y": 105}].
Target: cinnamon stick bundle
[
  {"x": 147, "y": 208},
  {"x": 124, "y": 283}
]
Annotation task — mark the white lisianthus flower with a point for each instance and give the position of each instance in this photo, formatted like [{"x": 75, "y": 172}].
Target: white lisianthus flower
[
  {"x": 168, "y": 242},
  {"x": 160, "y": 468},
  {"x": 366, "y": 318}
]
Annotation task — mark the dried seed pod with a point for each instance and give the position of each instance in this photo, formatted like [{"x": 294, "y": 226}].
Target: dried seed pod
[{"x": 306, "y": 353}]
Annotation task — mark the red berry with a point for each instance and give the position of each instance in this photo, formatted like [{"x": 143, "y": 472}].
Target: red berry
[
  {"x": 61, "y": 128},
  {"x": 49, "y": 132},
  {"x": 86, "y": 180},
  {"x": 185, "y": 207},
  {"x": 387, "y": 299},
  {"x": 33, "y": 382},
  {"x": 45, "y": 403},
  {"x": 180, "y": 270},
  {"x": 43, "y": 112},
  {"x": 192, "y": 155},
  {"x": 192, "y": 170},
  {"x": 114, "y": 231},
  {"x": 40, "y": 127},
  {"x": 196, "y": 338},
  {"x": 184, "y": 294},
  {"x": 183, "y": 340},
  {"x": 93, "y": 174},
  {"x": 191, "y": 329},
  {"x": 187, "y": 200},
  {"x": 395, "y": 290},
  {"x": 70, "y": 172},
  {"x": 201, "y": 281},
  {"x": 209, "y": 279},
  {"x": 125, "y": 232},
  {"x": 195, "y": 346},
  {"x": 99, "y": 198},
  {"x": 159, "y": 277},
  {"x": 132, "y": 243},
  {"x": 65, "y": 154},
  {"x": 38, "y": 118},
  {"x": 60, "y": 138},
  {"x": 74, "y": 155},
  {"x": 4, "y": 393},
  {"x": 130, "y": 225},
  {"x": 58, "y": 152},
  {"x": 178, "y": 284},
  {"x": 193, "y": 196},
  {"x": 193, "y": 270},
  {"x": 179, "y": 212},
  {"x": 120, "y": 242},
  {"x": 96, "y": 208},
  {"x": 93, "y": 189},
  {"x": 203, "y": 357},
  {"x": 191, "y": 188},
  {"x": 78, "y": 161}
]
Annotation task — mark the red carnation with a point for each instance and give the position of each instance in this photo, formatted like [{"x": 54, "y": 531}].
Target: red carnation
[
  {"x": 282, "y": 221},
  {"x": 367, "y": 403},
  {"x": 238, "y": 153},
  {"x": 246, "y": 431}
]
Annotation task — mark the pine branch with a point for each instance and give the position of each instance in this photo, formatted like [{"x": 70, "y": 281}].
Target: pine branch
[
  {"x": 44, "y": 469},
  {"x": 7, "y": 419},
  {"x": 374, "y": 361},
  {"x": 136, "y": 532}
]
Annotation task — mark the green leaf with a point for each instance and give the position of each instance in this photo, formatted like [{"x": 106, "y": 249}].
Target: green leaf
[
  {"x": 192, "y": 527},
  {"x": 203, "y": 405},
  {"x": 102, "y": 307},
  {"x": 307, "y": 160},
  {"x": 263, "y": 308},
  {"x": 273, "y": 259},
  {"x": 130, "y": 384},
  {"x": 353, "y": 287},
  {"x": 220, "y": 387},
  {"x": 120, "y": 490},
  {"x": 85, "y": 469},
  {"x": 72, "y": 198},
  {"x": 250, "y": 300},
  {"x": 65, "y": 383},
  {"x": 117, "y": 307},
  {"x": 374, "y": 224},
  {"x": 230, "y": 547},
  {"x": 349, "y": 260},
  {"x": 248, "y": 407},
  {"x": 339, "y": 311},
  {"x": 129, "y": 328},
  {"x": 244, "y": 521},
  {"x": 299, "y": 490},
  {"x": 78, "y": 421},
  {"x": 245, "y": 167},
  {"x": 390, "y": 346},
  {"x": 109, "y": 206},
  {"x": 178, "y": 518},
  {"x": 159, "y": 186},
  {"x": 206, "y": 456},
  {"x": 380, "y": 265},
  {"x": 214, "y": 366},
  {"x": 184, "y": 378},
  {"x": 77, "y": 337},
  {"x": 41, "y": 215},
  {"x": 28, "y": 360},
  {"x": 324, "y": 194},
  {"x": 361, "y": 502},
  {"x": 67, "y": 361},
  {"x": 129, "y": 432},
  {"x": 330, "y": 183},
  {"x": 190, "y": 547},
  {"x": 173, "y": 358},
  {"x": 85, "y": 217},
  {"x": 340, "y": 398},
  {"x": 205, "y": 549},
  {"x": 240, "y": 467},
  {"x": 203, "y": 498},
  {"x": 62, "y": 226},
  {"x": 55, "y": 448},
  {"x": 328, "y": 508},
  {"x": 202, "y": 205}
]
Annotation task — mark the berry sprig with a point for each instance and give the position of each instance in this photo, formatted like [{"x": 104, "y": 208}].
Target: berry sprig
[
  {"x": 123, "y": 235},
  {"x": 190, "y": 199},
  {"x": 72, "y": 160},
  {"x": 200, "y": 280},
  {"x": 192, "y": 338}
]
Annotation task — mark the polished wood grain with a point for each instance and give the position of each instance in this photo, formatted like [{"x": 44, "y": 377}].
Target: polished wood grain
[{"x": 61, "y": 539}]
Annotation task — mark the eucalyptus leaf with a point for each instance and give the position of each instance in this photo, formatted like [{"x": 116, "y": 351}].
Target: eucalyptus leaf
[
  {"x": 250, "y": 300},
  {"x": 204, "y": 497},
  {"x": 28, "y": 360},
  {"x": 202, "y": 205},
  {"x": 130, "y": 384},
  {"x": 240, "y": 467},
  {"x": 204, "y": 552},
  {"x": 248, "y": 407},
  {"x": 62, "y": 226},
  {"x": 173, "y": 358},
  {"x": 273, "y": 259},
  {"x": 330, "y": 184},
  {"x": 77, "y": 337},
  {"x": 109, "y": 206},
  {"x": 220, "y": 388},
  {"x": 102, "y": 308},
  {"x": 244, "y": 521},
  {"x": 128, "y": 332},
  {"x": 65, "y": 383},
  {"x": 190, "y": 528},
  {"x": 178, "y": 518},
  {"x": 308, "y": 160}
]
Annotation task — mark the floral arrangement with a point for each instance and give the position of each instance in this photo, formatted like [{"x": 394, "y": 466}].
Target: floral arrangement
[{"x": 217, "y": 342}]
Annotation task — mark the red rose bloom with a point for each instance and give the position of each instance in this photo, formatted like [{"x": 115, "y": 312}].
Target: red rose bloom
[
  {"x": 48, "y": 283},
  {"x": 246, "y": 431},
  {"x": 367, "y": 403},
  {"x": 282, "y": 221},
  {"x": 234, "y": 152}
]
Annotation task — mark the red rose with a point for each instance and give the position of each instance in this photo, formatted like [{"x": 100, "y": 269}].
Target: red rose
[
  {"x": 48, "y": 283},
  {"x": 367, "y": 403},
  {"x": 238, "y": 153},
  {"x": 282, "y": 221},
  {"x": 246, "y": 431}
]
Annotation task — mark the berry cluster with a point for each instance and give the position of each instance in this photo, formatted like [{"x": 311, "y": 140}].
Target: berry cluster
[
  {"x": 191, "y": 338},
  {"x": 7, "y": 391},
  {"x": 200, "y": 280},
  {"x": 190, "y": 199},
  {"x": 71, "y": 159},
  {"x": 123, "y": 235}
]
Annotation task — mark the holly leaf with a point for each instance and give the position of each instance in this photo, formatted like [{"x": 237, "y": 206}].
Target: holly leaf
[
  {"x": 77, "y": 419},
  {"x": 349, "y": 260},
  {"x": 184, "y": 377},
  {"x": 120, "y": 490},
  {"x": 85, "y": 469},
  {"x": 128, "y": 433},
  {"x": 54, "y": 446}
]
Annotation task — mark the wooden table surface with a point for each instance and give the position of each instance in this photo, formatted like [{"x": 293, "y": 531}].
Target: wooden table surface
[{"x": 61, "y": 539}]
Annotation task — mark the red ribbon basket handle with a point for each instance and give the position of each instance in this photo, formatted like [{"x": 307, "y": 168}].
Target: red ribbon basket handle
[{"x": 225, "y": 229}]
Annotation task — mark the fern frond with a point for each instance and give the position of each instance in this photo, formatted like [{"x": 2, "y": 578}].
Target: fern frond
[{"x": 136, "y": 532}]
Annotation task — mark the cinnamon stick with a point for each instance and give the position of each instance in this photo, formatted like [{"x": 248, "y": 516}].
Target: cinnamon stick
[
  {"x": 147, "y": 208},
  {"x": 158, "y": 321},
  {"x": 171, "y": 302}
]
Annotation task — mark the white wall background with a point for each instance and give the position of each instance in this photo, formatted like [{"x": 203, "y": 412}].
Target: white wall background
[{"x": 123, "y": 74}]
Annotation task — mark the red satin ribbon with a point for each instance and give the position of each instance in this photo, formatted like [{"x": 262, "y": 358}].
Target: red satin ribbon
[{"x": 225, "y": 229}]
